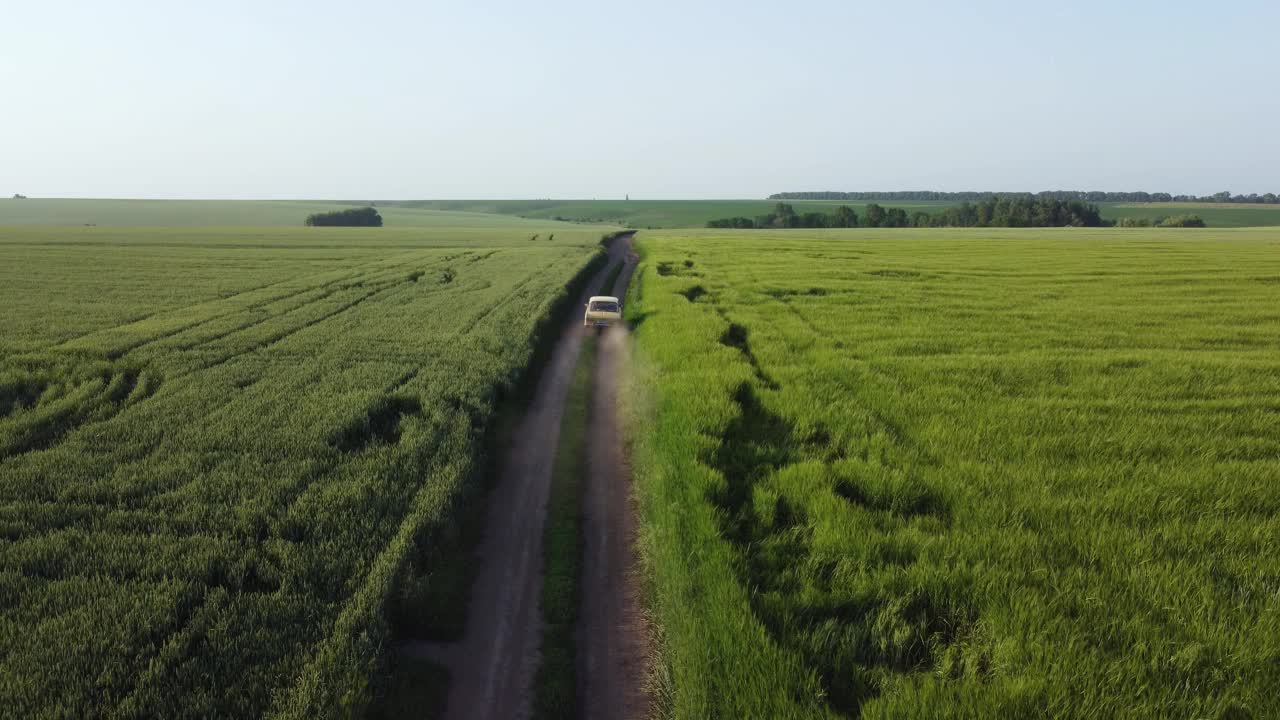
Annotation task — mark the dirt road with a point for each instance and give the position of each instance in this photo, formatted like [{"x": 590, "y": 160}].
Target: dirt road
[
  {"x": 492, "y": 667},
  {"x": 612, "y": 641}
]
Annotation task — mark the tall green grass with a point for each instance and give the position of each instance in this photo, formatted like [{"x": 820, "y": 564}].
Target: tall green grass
[{"x": 962, "y": 473}]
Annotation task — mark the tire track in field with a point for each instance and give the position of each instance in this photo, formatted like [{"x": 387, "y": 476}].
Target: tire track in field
[
  {"x": 149, "y": 315},
  {"x": 325, "y": 290},
  {"x": 96, "y": 414},
  {"x": 187, "y": 630},
  {"x": 510, "y": 296},
  {"x": 385, "y": 286},
  {"x": 220, "y": 313},
  {"x": 60, "y": 345}
]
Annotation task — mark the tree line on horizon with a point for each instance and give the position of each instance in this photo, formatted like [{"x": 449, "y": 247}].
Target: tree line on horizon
[
  {"x": 1002, "y": 211},
  {"x": 354, "y": 217},
  {"x": 1082, "y": 195}
]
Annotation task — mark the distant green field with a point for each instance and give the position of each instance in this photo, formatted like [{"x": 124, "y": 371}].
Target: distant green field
[
  {"x": 227, "y": 455},
  {"x": 1216, "y": 215},
  {"x": 230, "y": 213},
  {"x": 667, "y": 214},
  {"x": 645, "y": 213},
  {"x": 961, "y": 473},
  {"x": 660, "y": 214}
]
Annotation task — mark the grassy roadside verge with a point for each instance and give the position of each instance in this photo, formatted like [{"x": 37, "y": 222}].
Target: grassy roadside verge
[
  {"x": 638, "y": 414},
  {"x": 555, "y": 694},
  {"x": 713, "y": 658}
]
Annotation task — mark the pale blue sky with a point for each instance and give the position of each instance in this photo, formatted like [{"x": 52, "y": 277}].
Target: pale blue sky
[{"x": 660, "y": 99}]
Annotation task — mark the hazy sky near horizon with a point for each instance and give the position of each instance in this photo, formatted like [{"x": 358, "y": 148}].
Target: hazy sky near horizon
[{"x": 391, "y": 99}]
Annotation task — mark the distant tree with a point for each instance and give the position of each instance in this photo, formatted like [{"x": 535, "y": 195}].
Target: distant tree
[
  {"x": 1270, "y": 198},
  {"x": 1042, "y": 210},
  {"x": 1222, "y": 197},
  {"x": 873, "y": 215},
  {"x": 355, "y": 217},
  {"x": 845, "y": 217},
  {"x": 1083, "y": 215},
  {"x": 895, "y": 218},
  {"x": 19, "y": 196},
  {"x": 964, "y": 216},
  {"x": 1012, "y": 211},
  {"x": 1045, "y": 213},
  {"x": 785, "y": 216},
  {"x": 982, "y": 213},
  {"x": 814, "y": 220}
]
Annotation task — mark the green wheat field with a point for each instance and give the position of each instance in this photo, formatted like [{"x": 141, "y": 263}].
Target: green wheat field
[
  {"x": 961, "y": 473},
  {"x": 880, "y": 473},
  {"x": 228, "y": 456}
]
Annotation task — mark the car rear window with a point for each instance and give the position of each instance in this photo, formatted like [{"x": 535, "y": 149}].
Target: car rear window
[{"x": 604, "y": 307}]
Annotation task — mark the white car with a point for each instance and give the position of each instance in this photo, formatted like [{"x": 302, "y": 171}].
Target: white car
[{"x": 602, "y": 311}]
